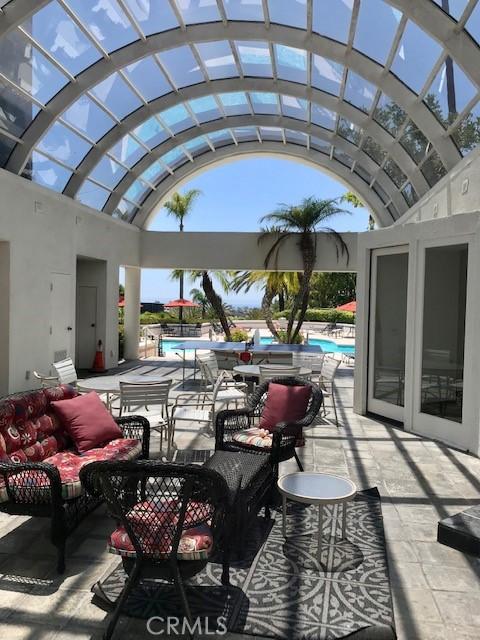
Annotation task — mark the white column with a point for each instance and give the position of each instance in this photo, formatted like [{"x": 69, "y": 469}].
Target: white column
[{"x": 132, "y": 312}]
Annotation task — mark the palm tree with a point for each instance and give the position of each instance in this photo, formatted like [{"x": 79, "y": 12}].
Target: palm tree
[
  {"x": 201, "y": 299},
  {"x": 179, "y": 208},
  {"x": 304, "y": 221}
]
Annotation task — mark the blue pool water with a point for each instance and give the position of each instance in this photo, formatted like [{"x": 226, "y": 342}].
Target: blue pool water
[{"x": 171, "y": 344}]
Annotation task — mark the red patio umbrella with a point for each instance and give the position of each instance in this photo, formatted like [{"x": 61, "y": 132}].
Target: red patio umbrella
[
  {"x": 348, "y": 306},
  {"x": 121, "y": 302},
  {"x": 181, "y": 304}
]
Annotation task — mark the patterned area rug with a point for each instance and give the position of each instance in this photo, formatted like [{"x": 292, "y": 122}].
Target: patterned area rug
[{"x": 280, "y": 590}]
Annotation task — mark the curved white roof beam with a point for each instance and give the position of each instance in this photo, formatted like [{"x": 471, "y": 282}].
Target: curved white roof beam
[
  {"x": 225, "y": 154},
  {"x": 285, "y": 87},
  {"x": 288, "y": 36},
  {"x": 258, "y": 121}
]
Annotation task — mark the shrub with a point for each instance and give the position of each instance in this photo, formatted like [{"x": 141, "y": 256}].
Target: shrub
[
  {"x": 239, "y": 335},
  {"x": 121, "y": 341},
  {"x": 282, "y": 335},
  {"x": 322, "y": 315}
]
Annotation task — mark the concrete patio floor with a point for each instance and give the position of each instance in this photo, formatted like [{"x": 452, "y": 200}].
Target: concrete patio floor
[{"x": 436, "y": 589}]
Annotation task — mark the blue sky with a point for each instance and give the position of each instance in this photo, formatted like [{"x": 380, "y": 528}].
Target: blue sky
[{"x": 234, "y": 198}]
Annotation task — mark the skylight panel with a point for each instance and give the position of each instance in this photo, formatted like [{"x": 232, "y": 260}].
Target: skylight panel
[
  {"x": 320, "y": 145},
  {"x": 46, "y": 172},
  {"x": 264, "y": 103},
  {"x": 343, "y": 157},
  {"x": 205, "y": 109},
  {"x": 151, "y": 132},
  {"x": 174, "y": 158},
  {"x": 117, "y": 96},
  {"x": 177, "y": 118},
  {"x": 250, "y": 10},
  {"x": 127, "y": 151},
  {"x": 234, "y": 104},
  {"x": 106, "y": 22},
  {"x": 244, "y": 134},
  {"x": 146, "y": 76},
  {"x": 415, "y": 57},
  {"x": 394, "y": 172},
  {"x": 327, "y": 75},
  {"x": 28, "y": 68},
  {"x": 414, "y": 142},
  {"x": 389, "y": 115},
  {"x": 376, "y": 42},
  {"x": 296, "y": 137},
  {"x": 182, "y": 67},
  {"x": 323, "y": 117},
  {"x": 349, "y": 130},
  {"x": 374, "y": 150},
  {"x": 294, "y": 107},
  {"x": 64, "y": 145},
  {"x": 197, "y": 11},
  {"x": 16, "y": 112},
  {"x": 197, "y": 145},
  {"x": 108, "y": 172},
  {"x": 449, "y": 93},
  {"x": 154, "y": 173},
  {"x": 410, "y": 194},
  {"x": 125, "y": 211},
  {"x": 92, "y": 195},
  {"x": 218, "y": 59},
  {"x": 88, "y": 118},
  {"x": 332, "y": 18},
  {"x": 291, "y": 63},
  {"x": 6, "y": 147},
  {"x": 473, "y": 23},
  {"x": 363, "y": 173},
  {"x": 292, "y": 13},
  {"x": 359, "y": 92},
  {"x": 220, "y": 138},
  {"x": 433, "y": 169},
  {"x": 455, "y": 7},
  {"x": 137, "y": 192},
  {"x": 467, "y": 133},
  {"x": 153, "y": 16},
  {"x": 271, "y": 133},
  {"x": 378, "y": 189},
  {"x": 255, "y": 58},
  {"x": 56, "y": 32}
]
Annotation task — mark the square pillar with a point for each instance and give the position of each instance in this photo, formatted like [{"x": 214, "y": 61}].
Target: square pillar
[{"x": 132, "y": 312}]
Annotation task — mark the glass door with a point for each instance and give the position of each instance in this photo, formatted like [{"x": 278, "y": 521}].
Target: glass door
[{"x": 387, "y": 332}]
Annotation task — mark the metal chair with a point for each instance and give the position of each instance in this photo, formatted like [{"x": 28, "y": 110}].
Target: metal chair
[
  {"x": 327, "y": 383},
  {"x": 267, "y": 372},
  {"x": 65, "y": 374},
  {"x": 312, "y": 361},
  {"x": 210, "y": 375}
]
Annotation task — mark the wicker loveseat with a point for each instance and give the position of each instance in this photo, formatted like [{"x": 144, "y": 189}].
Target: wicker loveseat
[{"x": 39, "y": 468}]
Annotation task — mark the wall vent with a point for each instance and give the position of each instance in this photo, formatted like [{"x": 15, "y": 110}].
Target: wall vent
[{"x": 59, "y": 355}]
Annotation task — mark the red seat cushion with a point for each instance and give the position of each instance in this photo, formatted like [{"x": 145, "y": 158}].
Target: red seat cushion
[
  {"x": 87, "y": 421},
  {"x": 284, "y": 404}
]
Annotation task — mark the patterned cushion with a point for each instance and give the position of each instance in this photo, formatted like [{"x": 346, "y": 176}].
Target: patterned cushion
[
  {"x": 35, "y": 487},
  {"x": 254, "y": 437}
]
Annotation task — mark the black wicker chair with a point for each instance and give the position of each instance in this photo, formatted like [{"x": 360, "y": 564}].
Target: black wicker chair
[
  {"x": 286, "y": 435},
  {"x": 158, "y": 504}
]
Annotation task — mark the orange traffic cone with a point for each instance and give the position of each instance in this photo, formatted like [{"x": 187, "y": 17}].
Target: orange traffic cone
[{"x": 99, "y": 361}]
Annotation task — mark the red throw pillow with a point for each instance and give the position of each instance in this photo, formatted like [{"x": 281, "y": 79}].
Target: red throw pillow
[
  {"x": 284, "y": 404},
  {"x": 87, "y": 421}
]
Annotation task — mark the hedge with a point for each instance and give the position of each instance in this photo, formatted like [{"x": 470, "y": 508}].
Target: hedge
[{"x": 322, "y": 315}]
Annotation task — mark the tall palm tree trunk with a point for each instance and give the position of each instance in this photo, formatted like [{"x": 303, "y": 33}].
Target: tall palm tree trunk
[
  {"x": 307, "y": 248},
  {"x": 216, "y": 302},
  {"x": 267, "y": 300}
]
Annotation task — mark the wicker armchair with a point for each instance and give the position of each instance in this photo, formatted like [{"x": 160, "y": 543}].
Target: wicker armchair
[
  {"x": 170, "y": 519},
  {"x": 286, "y": 436}
]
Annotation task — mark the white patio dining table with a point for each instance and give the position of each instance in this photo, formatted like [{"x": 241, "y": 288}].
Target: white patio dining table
[
  {"x": 110, "y": 385},
  {"x": 253, "y": 370}
]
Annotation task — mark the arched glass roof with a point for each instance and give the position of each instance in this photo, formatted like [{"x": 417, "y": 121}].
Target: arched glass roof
[{"x": 114, "y": 102}]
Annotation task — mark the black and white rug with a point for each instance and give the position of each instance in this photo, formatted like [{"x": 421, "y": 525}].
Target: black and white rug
[{"x": 280, "y": 590}]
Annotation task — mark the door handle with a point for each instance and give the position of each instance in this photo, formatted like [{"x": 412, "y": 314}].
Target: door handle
[
  {"x": 92, "y": 325},
  {"x": 69, "y": 328}
]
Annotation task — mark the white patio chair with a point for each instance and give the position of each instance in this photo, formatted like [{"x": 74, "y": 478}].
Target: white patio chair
[
  {"x": 210, "y": 375},
  {"x": 327, "y": 383},
  {"x": 65, "y": 374},
  {"x": 313, "y": 361},
  {"x": 267, "y": 372}
]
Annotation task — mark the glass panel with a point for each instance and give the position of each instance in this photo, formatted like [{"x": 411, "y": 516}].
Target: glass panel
[
  {"x": 343, "y": 157},
  {"x": 92, "y": 195},
  {"x": 453, "y": 7},
  {"x": 359, "y": 92},
  {"x": 28, "y": 68},
  {"x": 205, "y": 109},
  {"x": 323, "y": 117},
  {"x": 151, "y": 133},
  {"x": 146, "y": 76},
  {"x": 218, "y": 59},
  {"x": 106, "y": 22},
  {"x": 153, "y": 16},
  {"x": 59, "y": 35},
  {"x": 64, "y": 145},
  {"x": 380, "y": 192},
  {"x": 234, "y": 104},
  {"x": 467, "y": 134},
  {"x": 174, "y": 157},
  {"x": 255, "y": 58},
  {"x": 128, "y": 151},
  {"x": 291, "y": 63},
  {"x": 244, "y": 10},
  {"x": 294, "y": 107},
  {"x": 197, "y": 145},
  {"x": 433, "y": 169},
  {"x": 320, "y": 145},
  {"x": 326, "y": 74},
  {"x": 137, "y": 191},
  {"x": 219, "y": 138},
  {"x": 125, "y": 211},
  {"x": 16, "y": 112},
  {"x": 390, "y": 328},
  {"x": 393, "y": 211},
  {"x": 116, "y": 95},
  {"x": 264, "y": 103},
  {"x": 374, "y": 150},
  {"x": 415, "y": 142},
  {"x": 154, "y": 173},
  {"x": 88, "y": 118},
  {"x": 376, "y": 42},
  {"x": 177, "y": 118},
  {"x": 6, "y": 148},
  {"x": 108, "y": 172},
  {"x": 196, "y": 11},
  {"x": 363, "y": 173},
  {"x": 473, "y": 23},
  {"x": 389, "y": 115},
  {"x": 292, "y": 13},
  {"x": 392, "y": 170},
  {"x": 332, "y": 18},
  {"x": 349, "y": 130},
  {"x": 271, "y": 133},
  {"x": 296, "y": 137},
  {"x": 449, "y": 93},
  {"x": 181, "y": 66},
  {"x": 245, "y": 133},
  {"x": 410, "y": 195},
  {"x": 44, "y": 171},
  {"x": 415, "y": 57},
  {"x": 444, "y": 342}
]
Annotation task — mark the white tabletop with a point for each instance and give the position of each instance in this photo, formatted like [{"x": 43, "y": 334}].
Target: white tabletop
[
  {"x": 254, "y": 369},
  {"x": 111, "y": 384},
  {"x": 316, "y": 488}
]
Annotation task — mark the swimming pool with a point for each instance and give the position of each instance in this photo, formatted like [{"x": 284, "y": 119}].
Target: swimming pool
[{"x": 329, "y": 346}]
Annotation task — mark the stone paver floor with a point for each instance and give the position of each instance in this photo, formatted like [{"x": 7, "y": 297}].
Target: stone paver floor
[{"x": 436, "y": 589}]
